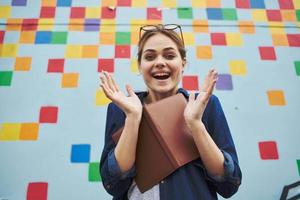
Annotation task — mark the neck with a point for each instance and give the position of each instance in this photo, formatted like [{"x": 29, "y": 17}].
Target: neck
[{"x": 154, "y": 96}]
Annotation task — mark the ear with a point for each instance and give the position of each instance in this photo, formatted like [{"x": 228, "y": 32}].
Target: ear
[{"x": 183, "y": 63}]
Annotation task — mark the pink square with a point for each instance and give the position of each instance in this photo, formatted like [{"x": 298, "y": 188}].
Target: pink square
[
  {"x": 29, "y": 24},
  {"x": 267, "y": 53},
  {"x": 48, "y": 114},
  {"x": 274, "y": 15},
  {"x": 190, "y": 82},
  {"x": 37, "y": 191},
  {"x": 122, "y": 51},
  {"x": 124, "y": 3},
  {"x": 268, "y": 150},
  {"x": 106, "y": 65},
  {"x": 294, "y": 40},
  {"x": 108, "y": 13},
  {"x": 153, "y": 13},
  {"x": 242, "y": 3},
  {"x": 47, "y": 12},
  {"x": 56, "y": 65},
  {"x": 286, "y": 4},
  {"x": 2, "y": 36},
  {"x": 218, "y": 38},
  {"x": 77, "y": 12}
]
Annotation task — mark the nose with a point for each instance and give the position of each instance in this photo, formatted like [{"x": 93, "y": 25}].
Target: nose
[{"x": 160, "y": 62}]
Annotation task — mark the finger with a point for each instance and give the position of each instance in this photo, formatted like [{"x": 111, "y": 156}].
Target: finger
[
  {"x": 192, "y": 97},
  {"x": 129, "y": 90},
  {"x": 106, "y": 91},
  {"x": 115, "y": 85},
  {"x": 109, "y": 81},
  {"x": 105, "y": 85}
]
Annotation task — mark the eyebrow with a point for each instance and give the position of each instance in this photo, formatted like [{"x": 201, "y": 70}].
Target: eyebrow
[{"x": 165, "y": 49}]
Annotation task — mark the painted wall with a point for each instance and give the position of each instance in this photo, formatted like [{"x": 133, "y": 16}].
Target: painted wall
[{"x": 52, "y": 113}]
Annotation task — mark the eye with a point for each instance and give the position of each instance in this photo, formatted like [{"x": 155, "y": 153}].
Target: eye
[
  {"x": 149, "y": 57},
  {"x": 170, "y": 56}
]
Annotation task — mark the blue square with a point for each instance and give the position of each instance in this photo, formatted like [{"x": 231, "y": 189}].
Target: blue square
[
  {"x": 257, "y": 4},
  {"x": 64, "y": 3},
  {"x": 80, "y": 153},
  {"x": 214, "y": 13},
  {"x": 43, "y": 37}
]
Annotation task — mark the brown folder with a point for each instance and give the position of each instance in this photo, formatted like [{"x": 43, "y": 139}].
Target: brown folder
[{"x": 164, "y": 142}]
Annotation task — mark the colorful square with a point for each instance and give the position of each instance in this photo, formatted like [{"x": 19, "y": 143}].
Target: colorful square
[
  {"x": 238, "y": 67},
  {"x": 298, "y": 166},
  {"x": 18, "y": 2},
  {"x": 29, "y": 131},
  {"x": 2, "y": 36},
  {"x": 276, "y": 98},
  {"x": 47, "y": 12},
  {"x": 294, "y": 40},
  {"x": 90, "y": 51},
  {"x": 29, "y": 24},
  {"x": 9, "y": 50},
  {"x": 280, "y": 40},
  {"x": 5, "y": 78},
  {"x": 190, "y": 82},
  {"x": 73, "y": 51},
  {"x": 94, "y": 175},
  {"x": 218, "y": 39},
  {"x": 242, "y": 3},
  {"x": 92, "y": 25},
  {"x": 5, "y": 11},
  {"x": 214, "y": 13},
  {"x": 224, "y": 82},
  {"x": 59, "y": 37},
  {"x": 126, "y": 3},
  {"x": 37, "y": 190},
  {"x": 204, "y": 52},
  {"x": 123, "y": 38},
  {"x": 257, "y": 4},
  {"x": 153, "y": 13},
  {"x": 200, "y": 26},
  {"x": 93, "y": 12},
  {"x": 23, "y": 64},
  {"x": 106, "y": 65},
  {"x": 64, "y": 3},
  {"x": 107, "y": 38},
  {"x": 10, "y": 131},
  {"x": 268, "y": 150},
  {"x": 234, "y": 39},
  {"x": 286, "y": 4},
  {"x": 185, "y": 13},
  {"x": 56, "y": 65},
  {"x": 297, "y": 67},
  {"x": 267, "y": 53},
  {"x": 45, "y": 24},
  {"x": 122, "y": 51},
  {"x": 43, "y": 37},
  {"x": 229, "y": 14},
  {"x": 48, "y": 114},
  {"x": 77, "y": 12},
  {"x": 27, "y": 37},
  {"x": 274, "y": 15},
  {"x": 69, "y": 80},
  {"x": 246, "y": 27},
  {"x": 108, "y": 13},
  {"x": 80, "y": 153},
  {"x": 101, "y": 99}
]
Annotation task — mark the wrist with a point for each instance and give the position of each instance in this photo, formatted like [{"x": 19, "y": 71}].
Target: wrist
[{"x": 195, "y": 126}]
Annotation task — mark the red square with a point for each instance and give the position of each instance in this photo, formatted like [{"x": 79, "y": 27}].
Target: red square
[
  {"x": 124, "y": 3},
  {"x": 56, "y": 65},
  {"x": 218, "y": 39},
  {"x": 190, "y": 82},
  {"x": 122, "y": 51},
  {"x": 77, "y": 12},
  {"x": 274, "y": 15},
  {"x": 29, "y": 24},
  {"x": 242, "y": 3},
  {"x": 2, "y": 36},
  {"x": 267, "y": 53},
  {"x": 286, "y": 4},
  {"x": 48, "y": 114},
  {"x": 106, "y": 65},
  {"x": 268, "y": 150},
  {"x": 37, "y": 190},
  {"x": 153, "y": 13},
  {"x": 47, "y": 12},
  {"x": 108, "y": 13},
  {"x": 294, "y": 40}
]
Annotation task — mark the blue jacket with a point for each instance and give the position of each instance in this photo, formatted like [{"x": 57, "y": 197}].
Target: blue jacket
[{"x": 191, "y": 181}]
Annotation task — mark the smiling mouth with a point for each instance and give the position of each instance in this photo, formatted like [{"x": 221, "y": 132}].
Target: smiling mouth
[{"x": 161, "y": 76}]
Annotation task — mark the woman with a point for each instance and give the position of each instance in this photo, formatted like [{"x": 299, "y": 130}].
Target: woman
[{"x": 161, "y": 60}]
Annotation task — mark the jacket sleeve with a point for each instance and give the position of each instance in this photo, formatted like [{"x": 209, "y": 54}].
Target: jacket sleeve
[
  {"x": 114, "y": 181},
  {"x": 218, "y": 128}
]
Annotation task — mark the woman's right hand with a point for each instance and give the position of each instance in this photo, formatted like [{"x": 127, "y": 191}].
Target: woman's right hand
[{"x": 130, "y": 104}]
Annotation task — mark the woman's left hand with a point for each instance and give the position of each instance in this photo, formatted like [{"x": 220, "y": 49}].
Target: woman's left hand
[{"x": 195, "y": 107}]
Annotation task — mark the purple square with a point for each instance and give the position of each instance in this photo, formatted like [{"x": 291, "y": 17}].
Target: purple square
[
  {"x": 91, "y": 25},
  {"x": 18, "y": 2},
  {"x": 224, "y": 82}
]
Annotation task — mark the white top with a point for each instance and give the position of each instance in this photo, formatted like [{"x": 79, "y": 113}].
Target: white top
[{"x": 135, "y": 194}]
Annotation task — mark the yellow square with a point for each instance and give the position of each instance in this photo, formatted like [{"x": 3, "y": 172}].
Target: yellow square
[
  {"x": 108, "y": 25},
  {"x": 204, "y": 52},
  {"x": 200, "y": 26},
  {"x": 169, "y": 3},
  {"x": 138, "y": 3},
  {"x": 234, "y": 39},
  {"x": 112, "y": 3},
  {"x": 189, "y": 38},
  {"x": 45, "y": 24},
  {"x": 288, "y": 15},
  {"x": 9, "y": 50},
  {"x": 14, "y": 24},
  {"x": 73, "y": 51},
  {"x": 90, "y": 51},
  {"x": 10, "y": 131},
  {"x": 49, "y": 3},
  {"x": 296, "y": 4},
  {"x": 276, "y": 98},
  {"x": 213, "y": 3},
  {"x": 259, "y": 15},
  {"x": 246, "y": 27},
  {"x": 101, "y": 99},
  {"x": 5, "y": 11},
  {"x": 276, "y": 28},
  {"x": 107, "y": 38},
  {"x": 76, "y": 25},
  {"x": 23, "y": 64},
  {"x": 29, "y": 131},
  {"x": 134, "y": 66},
  {"x": 93, "y": 12},
  {"x": 238, "y": 67},
  {"x": 69, "y": 80},
  {"x": 198, "y": 3},
  {"x": 134, "y": 37},
  {"x": 280, "y": 40},
  {"x": 27, "y": 37}
]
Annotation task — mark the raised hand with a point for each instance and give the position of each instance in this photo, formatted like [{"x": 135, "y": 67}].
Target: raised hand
[
  {"x": 131, "y": 105},
  {"x": 195, "y": 107}
]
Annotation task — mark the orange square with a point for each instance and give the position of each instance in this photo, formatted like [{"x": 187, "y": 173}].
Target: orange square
[
  {"x": 107, "y": 38},
  {"x": 14, "y": 24},
  {"x": 276, "y": 98},
  {"x": 204, "y": 52},
  {"x": 288, "y": 15},
  {"x": 23, "y": 63},
  {"x": 213, "y": 3},
  {"x": 69, "y": 80},
  {"x": 27, "y": 37},
  {"x": 200, "y": 26},
  {"x": 134, "y": 37},
  {"x": 49, "y": 3},
  {"x": 246, "y": 27},
  {"x": 29, "y": 131},
  {"x": 76, "y": 25},
  {"x": 109, "y": 3},
  {"x": 89, "y": 51},
  {"x": 280, "y": 40}
]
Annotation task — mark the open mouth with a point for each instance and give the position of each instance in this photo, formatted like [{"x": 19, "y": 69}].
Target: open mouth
[{"x": 161, "y": 75}]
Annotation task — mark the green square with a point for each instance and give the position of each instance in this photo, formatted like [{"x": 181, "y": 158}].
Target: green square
[
  {"x": 5, "y": 78},
  {"x": 185, "y": 13},
  {"x": 59, "y": 37},
  {"x": 298, "y": 14},
  {"x": 297, "y": 67},
  {"x": 229, "y": 14},
  {"x": 123, "y": 38},
  {"x": 298, "y": 164},
  {"x": 94, "y": 174}
]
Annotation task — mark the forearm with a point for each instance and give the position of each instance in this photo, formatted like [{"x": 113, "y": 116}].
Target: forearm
[
  {"x": 126, "y": 148},
  {"x": 210, "y": 154}
]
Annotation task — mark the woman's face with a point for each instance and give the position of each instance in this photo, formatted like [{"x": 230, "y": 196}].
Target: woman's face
[{"x": 161, "y": 65}]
